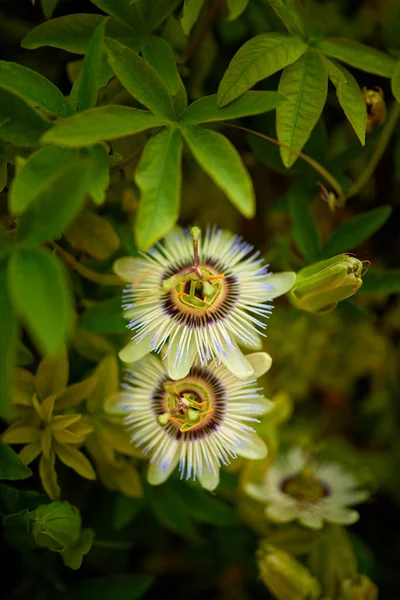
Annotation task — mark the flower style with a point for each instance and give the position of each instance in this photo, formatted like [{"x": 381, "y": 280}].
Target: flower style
[
  {"x": 298, "y": 488},
  {"x": 205, "y": 295},
  {"x": 199, "y": 422}
]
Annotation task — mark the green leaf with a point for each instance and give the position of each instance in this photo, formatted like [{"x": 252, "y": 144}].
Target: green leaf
[
  {"x": 396, "y": 81},
  {"x": 20, "y": 123},
  {"x": 11, "y": 467},
  {"x": 291, "y": 14},
  {"x": 304, "y": 228},
  {"x": 34, "y": 88},
  {"x": 355, "y": 231},
  {"x": 143, "y": 16},
  {"x": 8, "y": 342},
  {"x": 222, "y": 162},
  {"x": 235, "y": 8},
  {"x": 93, "y": 234},
  {"x": 304, "y": 85},
  {"x": 73, "y": 33},
  {"x": 381, "y": 282},
  {"x": 180, "y": 100},
  {"x": 39, "y": 289},
  {"x": 206, "y": 109},
  {"x": 89, "y": 80},
  {"x": 13, "y": 501},
  {"x": 257, "y": 59},
  {"x": 160, "y": 55},
  {"x": 190, "y": 14},
  {"x": 205, "y": 508},
  {"x": 171, "y": 511},
  {"x": 125, "y": 510},
  {"x": 3, "y": 173},
  {"x": 140, "y": 79},
  {"x": 350, "y": 98},
  {"x": 100, "y": 173},
  {"x": 48, "y": 7},
  {"x": 102, "y": 123},
  {"x": 158, "y": 177},
  {"x": 104, "y": 317},
  {"x": 73, "y": 552},
  {"x": 358, "y": 55},
  {"x": 45, "y": 219},
  {"x": 121, "y": 587}
]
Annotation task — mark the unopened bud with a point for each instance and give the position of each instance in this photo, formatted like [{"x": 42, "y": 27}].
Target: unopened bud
[
  {"x": 359, "y": 588},
  {"x": 284, "y": 576},
  {"x": 56, "y": 524},
  {"x": 321, "y": 286},
  {"x": 376, "y": 107}
]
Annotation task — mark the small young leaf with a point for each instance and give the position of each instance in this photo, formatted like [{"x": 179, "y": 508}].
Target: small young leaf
[
  {"x": 8, "y": 342},
  {"x": 89, "y": 79},
  {"x": 75, "y": 459},
  {"x": 236, "y": 7},
  {"x": 102, "y": 123},
  {"x": 158, "y": 177},
  {"x": 73, "y": 552},
  {"x": 92, "y": 234},
  {"x": 291, "y": 14},
  {"x": 52, "y": 374},
  {"x": 48, "y": 7},
  {"x": 140, "y": 79},
  {"x": 45, "y": 219},
  {"x": 206, "y": 109},
  {"x": 358, "y": 55},
  {"x": 143, "y": 16},
  {"x": 39, "y": 289},
  {"x": 34, "y": 88},
  {"x": 222, "y": 162},
  {"x": 304, "y": 85},
  {"x": 396, "y": 81},
  {"x": 11, "y": 466},
  {"x": 48, "y": 476},
  {"x": 180, "y": 100},
  {"x": 257, "y": 59},
  {"x": 355, "y": 231},
  {"x": 104, "y": 317},
  {"x": 20, "y": 123},
  {"x": 190, "y": 14},
  {"x": 381, "y": 282},
  {"x": 304, "y": 228},
  {"x": 160, "y": 55},
  {"x": 121, "y": 587},
  {"x": 350, "y": 97},
  {"x": 100, "y": 173}
]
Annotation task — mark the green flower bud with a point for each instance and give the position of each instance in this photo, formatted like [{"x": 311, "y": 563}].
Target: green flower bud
[
  {"x": 321, "y": 286},
  {"x": 284, "y": 576},
  {"x": 359, "y": 588},
  {"x": 54, "y": 525}
]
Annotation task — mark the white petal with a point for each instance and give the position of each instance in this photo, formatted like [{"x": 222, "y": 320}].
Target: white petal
[
  {"x": 261, "y": 363},
  {"x": 341, "y": 516},
  {"x": 236, "y": 362},
  {"x": 208, "y": 479},
  {"x": 281, "y": 513},
  {"x": 311, "y": 520},
  {"x": 254, "y": 449},
  {"x": 256, "y": 345},
  {"x": 136, "y": 350},
  {"x": 125, "y": 268},
  {"x": 281, "y": 282},
  {"x": 257, "y": 492},
  {"x": 178, "y": 365},
  {"x": 158, "y": 474}
]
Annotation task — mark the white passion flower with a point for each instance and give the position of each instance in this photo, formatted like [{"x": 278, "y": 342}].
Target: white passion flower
[
  {"x": 205, "y": 295},
  {"x": 298, "y": 488},
  {"x": 199, "y": 422}
]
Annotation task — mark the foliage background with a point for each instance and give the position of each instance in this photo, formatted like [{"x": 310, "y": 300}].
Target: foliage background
[{"x": 337, "y": 373}]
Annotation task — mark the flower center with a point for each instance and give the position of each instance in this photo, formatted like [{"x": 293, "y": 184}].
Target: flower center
[
  {"x": 187, "y": 406},
  {"x": 304, "y": 487}
]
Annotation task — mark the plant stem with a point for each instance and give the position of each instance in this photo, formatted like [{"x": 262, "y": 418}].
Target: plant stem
[
  {"x": 199, "y": 37},
  {"x": 101, "y": 278},
  {"x": 380, "y": 148},
  {"x": 313, "y": 163}
]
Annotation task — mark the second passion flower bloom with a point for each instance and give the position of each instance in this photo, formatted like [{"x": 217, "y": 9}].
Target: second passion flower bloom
[
  {"x": 204, "y": 295},
  {"x": 199, "y": 422}
]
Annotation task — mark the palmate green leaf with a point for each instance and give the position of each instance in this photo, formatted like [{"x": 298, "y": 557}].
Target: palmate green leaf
[
  {"x": 358, "y": 55},
  {"x": 102, "y": 123},
  {"x": 190, "y": 14},
  {"x": 304, "y": 228},
  {"x": 396, "y": 81},
  {"x": 160, "y": 55},
  {"x": 20, "y": 123},
  {"x": 89, "y": 79},
  {"x": 206, "y": 109},
  {"x": 257, "y": 59},
  {"x": 8, "y": 342},
  {"x": 291, "y": 14},
  {"x": 355, "y": 231},
  {"x": 39, "y": 290},
  {"x": 122, "y": 587},
  {"x": 381, "y": 282},
  {"x": 350, "y": 97},
  {"x": 56, "y": 205},
  {"x": 140, "y": 79},
  {"x": 235, "y": 8},
  {"x": 304, "y": 85},
  {"x": 73, "y": 33},
  {"x": 34, "y": 88},
  {"x": 221, "y": 161},
  {"x": 158, "y": 176},
  {"x": 11, "y": 466},
  {"x": 143, "y": 16},
  {"x": 48, "y": 7},
  {"x": 104, "y": 317}
]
